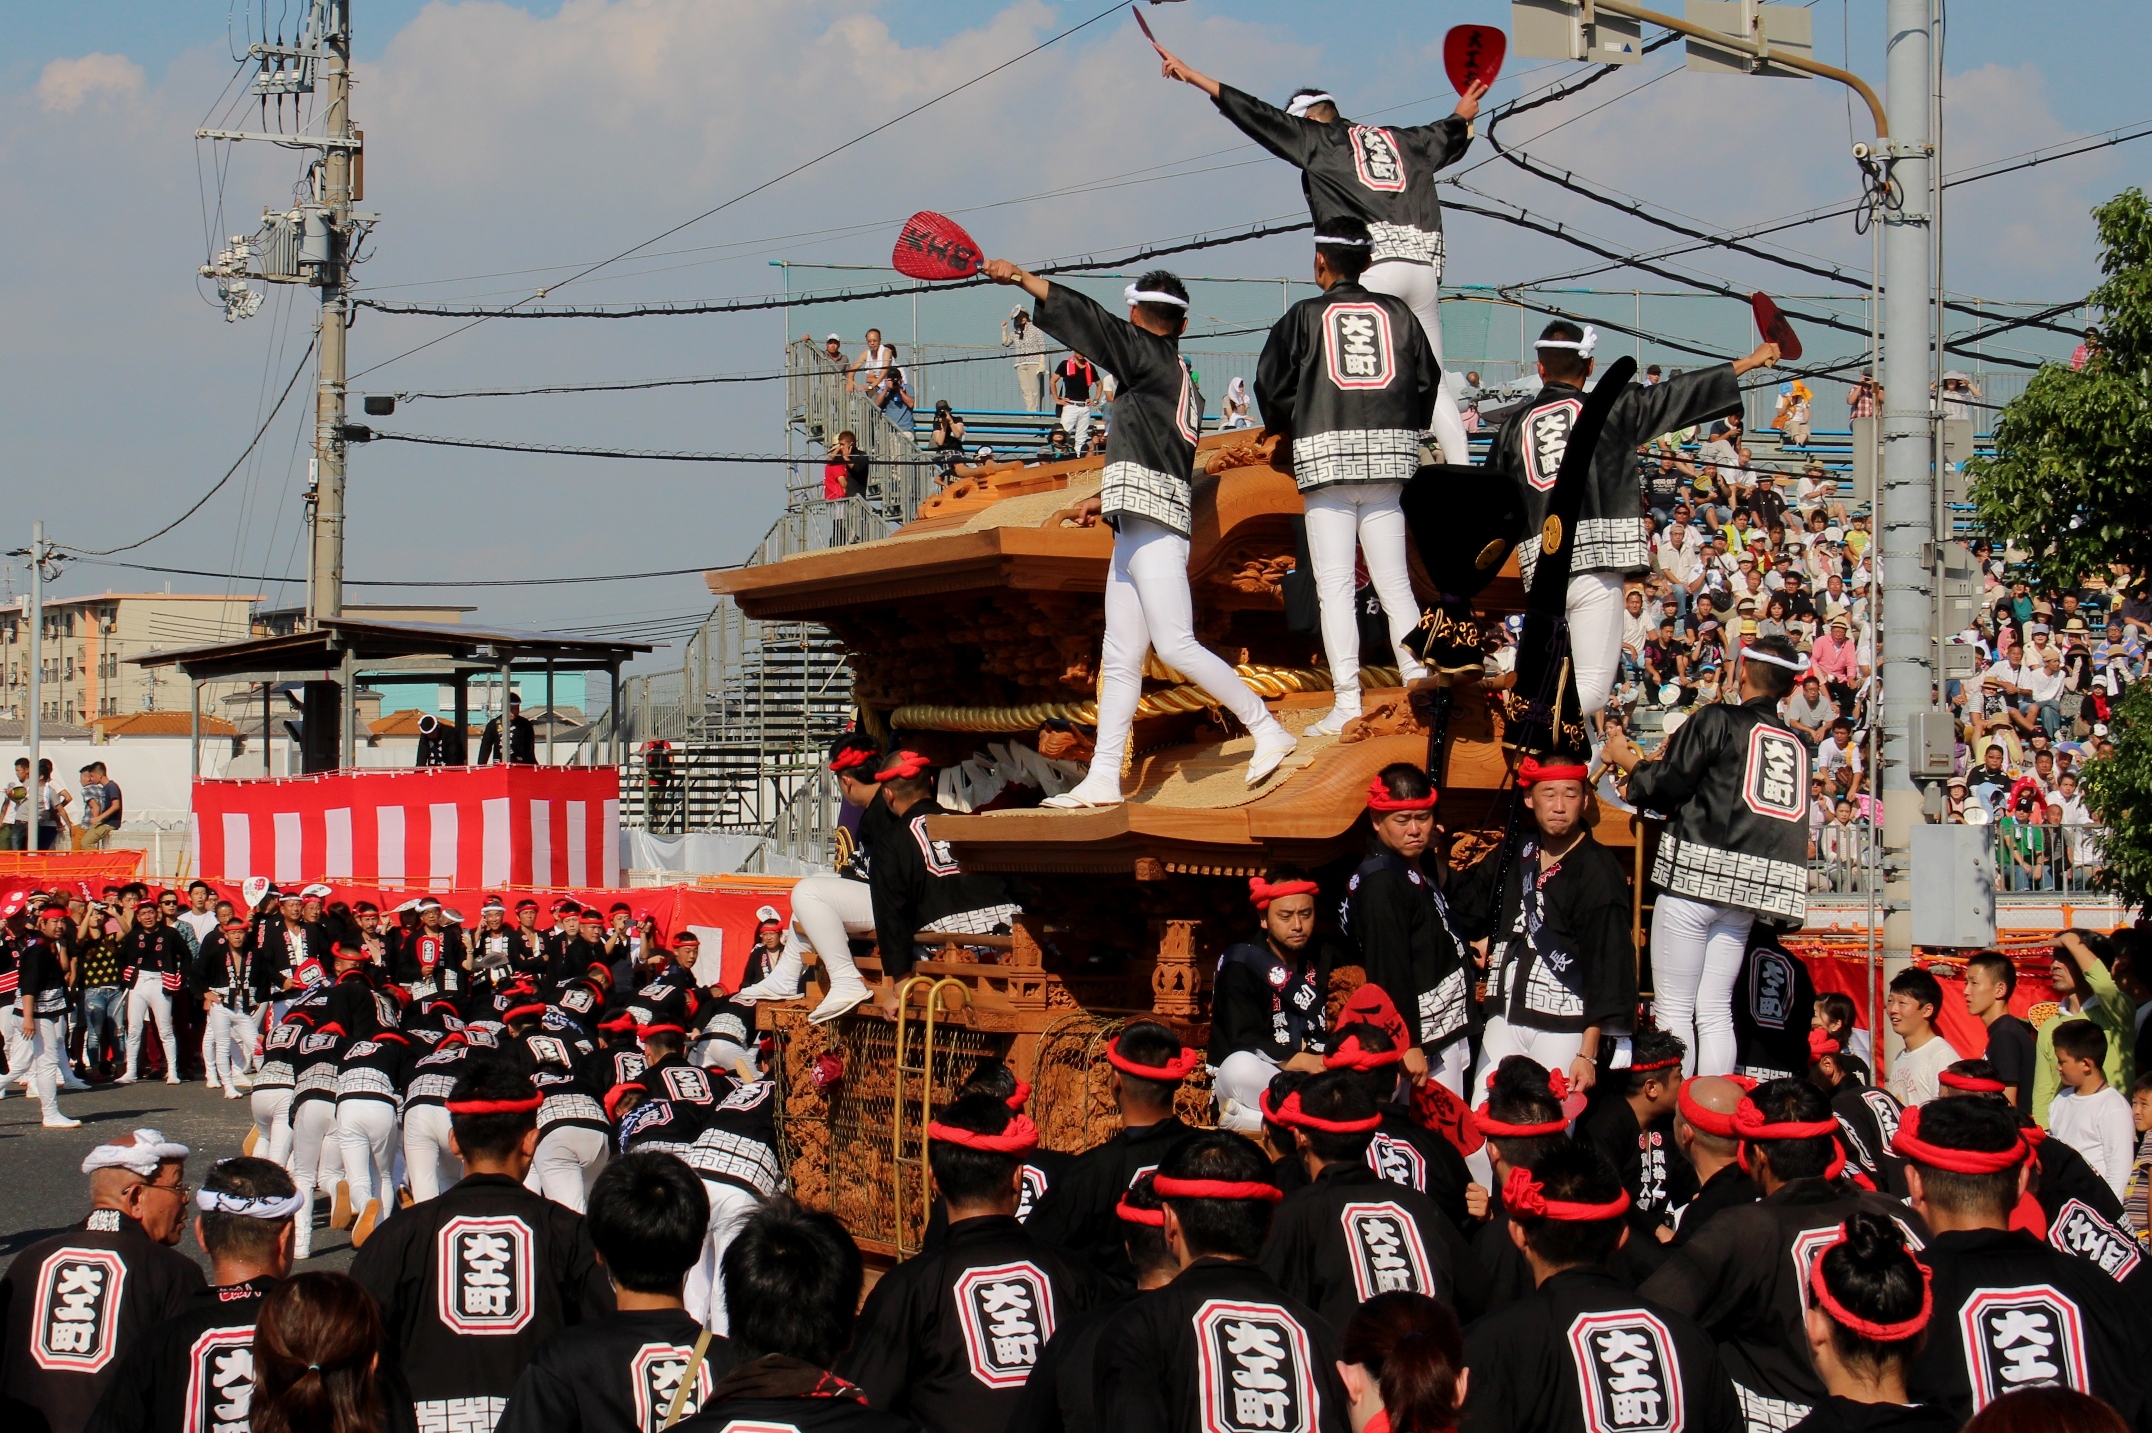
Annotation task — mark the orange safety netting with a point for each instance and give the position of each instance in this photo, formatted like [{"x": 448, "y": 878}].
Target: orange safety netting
[{"x": 40, "y": 869}]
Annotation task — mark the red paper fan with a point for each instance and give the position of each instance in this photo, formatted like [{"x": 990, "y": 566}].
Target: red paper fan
[
  {"x": 1773, "y": 326},
  {"x": 1473, "y": 52},
  {"x": 934, "y": 246}
]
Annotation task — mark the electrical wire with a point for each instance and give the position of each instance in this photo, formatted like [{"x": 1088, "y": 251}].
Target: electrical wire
[
  {"x": 646, "y": 454},
  {"x": 466, "y": 582},
  {"x": 767, "y": 183},
  {"x": 215, "y": 487}
]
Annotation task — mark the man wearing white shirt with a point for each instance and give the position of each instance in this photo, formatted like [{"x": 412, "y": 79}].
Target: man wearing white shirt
[
  {"x": 1838, "y": 749},
  {"x": 1679, "y": 553},
  {"x": 2040, "y": 683}
]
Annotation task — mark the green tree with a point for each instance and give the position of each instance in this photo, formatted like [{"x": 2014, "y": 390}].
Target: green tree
[
  {"x": 2071, "y": 479},
  {"x": 2071, "y": 484}
]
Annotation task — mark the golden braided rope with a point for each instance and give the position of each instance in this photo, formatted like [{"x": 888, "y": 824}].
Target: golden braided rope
[{"x": 1264, "y": 681}]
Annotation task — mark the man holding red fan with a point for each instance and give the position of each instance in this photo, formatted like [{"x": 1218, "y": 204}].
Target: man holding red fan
[{"x": 1146, "y": 499}]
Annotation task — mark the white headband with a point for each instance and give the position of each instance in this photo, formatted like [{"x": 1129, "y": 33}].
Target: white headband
[
  {"x": 149, "y": 1148},
  {"x": 1300, "y": 105},
  {"x": 266, "y": 1206},
  {"x": 1344, "y": 243},
  {"x": 1133, "y": 296},
  {"x": 1583, "y": 346},
  {"x": 1797, "y": 664}
]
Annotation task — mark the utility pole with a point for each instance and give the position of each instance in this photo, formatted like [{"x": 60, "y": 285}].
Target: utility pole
[
  {"x": 326, "y": 583},
  {"x": 1905, "y": 500},
  {"x": 39, "y": 550}
]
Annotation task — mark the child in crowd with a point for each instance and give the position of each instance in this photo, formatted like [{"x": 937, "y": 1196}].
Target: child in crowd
[
  {"x": 2137, "y": 1194},
  {"x": 2090, "y": 1115}
]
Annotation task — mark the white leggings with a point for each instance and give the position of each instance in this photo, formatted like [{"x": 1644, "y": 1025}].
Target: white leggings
[
  {"x": 148, "y": 998},
  {"x": 317, "y": 1161},
  {"x": 1148, "y": 608},
  {"x": 227, "y": 1043},
  {"x": 1448, "y": 1066},
  {"x": 1420, "y": 286},
  {"x": 1696, "y": 953},
  {"x": 48, "y": 1051},
  {"x": 1595, "y": 625},
  {"x": 272, "y": 1124},
  {"x": 568, "y": 1162},
  {"x": 1342, "y": 517},
  {"x": 1501, "y": 1039},
  {"x": 705, "y": 1292},
  {"x": 826, "y": 912},
  {"x": 366, "y": 1132},
  {"x": 429, "y": 1163}
]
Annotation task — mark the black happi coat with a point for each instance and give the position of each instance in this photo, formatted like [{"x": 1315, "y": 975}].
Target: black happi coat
[
  {"x": 1728, "y": 1189},
  {"x": 1041, "y": 1167},
  {"x": 1559, "y": 954},
  {"x": 1350, "y": 378},
  {"x": 1077, "y": 1215},
  {"x": 1382, "y": 174},
  {"x": 840, "y": 1410},
  {"x": 1351, "y": 1234},
  {"x": 1407, "y": 1152},
  {"x": 1264, "y": 1003},
  {"x": 349, "y": 1003},
  {"x": 1652, "y": 1168},
  {"x": 193, "y": 1373},
  {"x": 471, "y": 1282},
  {"x": 1584, "y": 1336},
  {"x": 1529, "y": 446},
  {"x": 737, "y": 1143},
  {"x": 1221, "y": 1349},
  {"x": 161, "y": 949},
  {"x": 674, "y": 1078},
  {"x": 1867, "y": 1118},
  {"x": 2077, "y": 1228},
  {"x": 433, "y": 1075},
  {"x": 314, "y": 1063},
  {"x": 614, "y": 1374},
  {"x": 1774, "y": 1004},
  {"x": 949, "y": 1337},
  {"x": 218, "y": 965},
  {"x": 1400, "y": 921},
  {"x": 1744, "y": 1278},
  {"x": 1062, "y": 1393},
  {"x": 1157, "y": 413},
  {"x": 2012, "y": 1313},
  {"x": 279, "y": 1047},
  {"x": 1734, "y": 779},
  {"x": 617, "y": 1062},
  {"x": 77, "y": 1304},
  {"x": 1843, "y": 1415},
  {"x": 375, "y": 1068},
  {"x": 917, "y": 884}
]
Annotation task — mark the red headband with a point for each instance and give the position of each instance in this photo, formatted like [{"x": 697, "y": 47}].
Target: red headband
[
  {"x": 1908, "y": 1143},
  {"x": 1643, "y": 1069},
  {"x": 1175, "y": 1072},
  {"x": 1526, "y": 1196},
  {"x": 1263, "y": 893},
  {"x": 1531, "y": 773},
  {"x": 1380, "y": 799},
  {"x": 613, "y": 1096},
  {"x": 1869, "y": 1328},
  {"x": 903, "y": 765},
  {"x": 1352, "y": 1055},
  {"x": 1215, "y": 1189},
  {"x": 1971, "y": 1084},
  {"x": 495, "y": 1107},
  {"x": 1155, "y": 1218},
  {"x": 517, "y": 1012},
  {"x": 1709, "y": 1122},
  {"x": 852, "y": 756},
  {"x": 1749, "y": 1124},
  {"x": 656, "y": 1029},
  {"x": 619, "y": 1020},
  {"x": 1503, "y": 1129},
  {"x": 1018, "y": 1136},
  {"x": 1022, "y": 1096},
  {"x": 1820, "y": 1044},
  {"x": 1290, "y": 1114}
]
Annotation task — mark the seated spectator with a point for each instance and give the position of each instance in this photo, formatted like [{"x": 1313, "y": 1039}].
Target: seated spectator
[
  {"x": 1057, "y": 447},
  {"x": 1837, "y": 661},
  {"x": 948, "y": 438},
  {"x": 1838, "y": 750},
  {"x": 1809, "y": 711},
  {"x": 1235, "y": 412}
]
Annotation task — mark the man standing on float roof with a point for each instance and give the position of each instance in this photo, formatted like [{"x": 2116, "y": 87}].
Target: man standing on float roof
[
  {"x": 1611, "y": 541},
  {"x": 1384, "y": 176},
  {"x": 1343, "y": 382},
  {"x": 1147, "y": 499}
]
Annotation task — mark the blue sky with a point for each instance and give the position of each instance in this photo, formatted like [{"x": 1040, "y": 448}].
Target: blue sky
[{"x": 507, "y": 141}]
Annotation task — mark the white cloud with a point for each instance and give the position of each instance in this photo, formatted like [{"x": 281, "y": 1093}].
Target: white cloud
[{"x": 65, "y": 84}]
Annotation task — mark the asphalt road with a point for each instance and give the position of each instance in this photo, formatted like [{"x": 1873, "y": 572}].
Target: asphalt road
[{"x": 43, "y": 1190}]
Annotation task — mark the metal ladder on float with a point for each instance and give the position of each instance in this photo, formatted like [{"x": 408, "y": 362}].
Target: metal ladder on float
[{"x": 898, "y": 1161}]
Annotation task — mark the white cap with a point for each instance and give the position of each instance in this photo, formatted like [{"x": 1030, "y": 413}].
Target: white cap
[{"x": 141, "y": 1151}]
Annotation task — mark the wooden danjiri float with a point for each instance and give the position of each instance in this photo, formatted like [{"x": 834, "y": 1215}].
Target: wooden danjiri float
[{"x": 981, "y": 622}]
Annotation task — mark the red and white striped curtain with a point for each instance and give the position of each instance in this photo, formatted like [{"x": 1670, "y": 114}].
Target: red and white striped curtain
[{"x": 440, "y": 828}]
